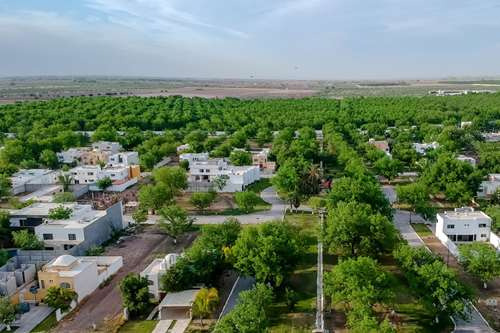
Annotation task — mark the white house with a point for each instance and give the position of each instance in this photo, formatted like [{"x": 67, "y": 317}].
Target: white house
[
  {"x": 177, "y": 305},
  {"x": 108, "y": 146},
  {"x": 183, "y": 147},
  {"x": 80, "y": 274},
  {"x": 492, "y": 137},
  {"x": 193, "y": 157},
  {"x": 261, "y": 159},
  {"x": 125, "y": 158},
  {"x": 203, "y": 173},
  {"x": 490, "y": 186},
  {"x": 22, "y": 179},
  {"x": 467, "y": 159},
  {"x": 121, "y": 176},
  {"x": 86, "y": 174},
  {"x": 464, "y": 225},
  {"x": 72, "y": 155},
  {"x": 155, "y": 270},
  {"x": 422, "y": 148}
]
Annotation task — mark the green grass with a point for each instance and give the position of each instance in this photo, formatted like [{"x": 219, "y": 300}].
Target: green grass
[
  {"x": 421, "y": 229},
  {"x": 47, "y": 324},
  {"x": 259, "y": 185},
  {"x": 138, "y": 326}
]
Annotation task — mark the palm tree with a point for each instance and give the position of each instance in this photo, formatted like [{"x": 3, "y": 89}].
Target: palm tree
[
  {"x": 205, "y": 303},
  {"x": 66, "y": 180}
]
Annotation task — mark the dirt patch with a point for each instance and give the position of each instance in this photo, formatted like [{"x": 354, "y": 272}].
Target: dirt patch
[
  {"x": 223, "y": 202},
  {"x": 105, "y": 304}
]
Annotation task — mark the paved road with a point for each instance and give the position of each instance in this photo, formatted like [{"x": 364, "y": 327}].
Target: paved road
[
  {"x": 30, "y": 319},
  {"x": 476, "y": 323},
  {"x": 241, "y": 284},
  {"x": 269, "y": 195}
]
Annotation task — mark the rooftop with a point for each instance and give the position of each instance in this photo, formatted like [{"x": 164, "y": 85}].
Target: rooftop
[
  {"x": 182, "y": 298},
  {"x": 81, "y": 215},
  {"x": 464, "y": 213}
]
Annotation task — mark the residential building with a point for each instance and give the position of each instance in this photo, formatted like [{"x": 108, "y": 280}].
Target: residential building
[
  {"x": 155, "y": 270},
  {"x": 464, "y": 225},
  {"x": 193, "y": 157},
  {"x": 107, "y": 146},
  {"x": 124, "y": 159},
  {"x": 86, "y": 174},
  {"x": 122, "y": 177},
  {"x": 28, "y": 180},
  {"x": 260, "y": 159},
  {"x": 72, "y": 155},
  {"x": 492, "y": 137},
  {"x": 490, "y": 186},
  {"x": 84, "y": 228},
  {"x": 94, "y": 157},
  {"x": 467, "y": 159},
  {"x": 465, "y": 124},
  {"x": 80, "y": 274},
  {"x": 183, "y": 147},
  {"x": 381, "y": 145},
  {"x": 202, "y": 174},
  {"x": 422, "y": 148},
  {"x": 178, "y": 305},
  {"x": 14, "y": 276}
]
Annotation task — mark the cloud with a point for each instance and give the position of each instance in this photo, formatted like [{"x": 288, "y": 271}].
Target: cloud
[
  {"x": 290, "y": 7},
  {"x": 157, "y": 16}
]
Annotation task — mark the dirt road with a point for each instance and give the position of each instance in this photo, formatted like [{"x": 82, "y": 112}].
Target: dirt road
[{"x": 105, "y": 304}]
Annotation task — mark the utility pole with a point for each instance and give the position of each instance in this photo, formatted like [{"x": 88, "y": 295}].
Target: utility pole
[{"x": 320, "y": 300}]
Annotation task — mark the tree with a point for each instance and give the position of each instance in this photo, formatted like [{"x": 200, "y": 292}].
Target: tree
[
  {"x": 7, "y": 312},
  {"x": 64, "y": 197},
  {"x": 66, "y": 180},
  {"x": 316, "y": 203},
  {"x": 140, "y": 216},
  {"x": 5, "y": 185},
  {"x": 174, "y": 178},
  {"x": 287, "y": 182},
  {"x": 264, "y": 135},
  {"x": 415, "y": 194},
  {"x": 269, "y": 252},
  {"x": 5, "y": 230},
  {"x": 388, "y": 167},
  {"x": 60, "y": 213},
  {"x": 49, "y": 159},
  {"x": 354, "y": 229},
  {"x": 4, "y": 257},
  {"x": 220, "y": 182},
  {"x": 205, "y": 303},
  {"x": 251, "y": 314},
  {"x": 240, "y": 157},
  {"x": 202, "y": 200},
  {"x": 135, "y": 293},
  {"x": 174, "y": 221},
  {"x": 60, "y": 298},
  {"x": 246, "y": 200},
  {"x": 104, "y": 183},
  {"x": 154, "y": 197},
  {"x": 27, "y": 241},
  {"x": 480, "y": 260}
]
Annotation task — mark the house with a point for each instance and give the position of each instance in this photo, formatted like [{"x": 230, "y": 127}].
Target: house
[
  {"x": 381, "y": 145},
  {"x": 193, "y": 157},
  {"x": 84, "y": 228},
  {"x": 467, "y": 159},
  {"x": 94, "y": 157},
  {"x": 14, "y": 276},
  {"x": 124, "y": 159},
  {"x": 464, "y": 225},
  {"x": 183, "y": 147},
  {"x": 260, "y": 159},
  {"x": 72, "y": 155},
  {"x": 122, "y": 176},
  {"x": 203, "y": 173},
  {"x": 492, "y": 137},
  {"x": 86, "y": 174},
  {"x": 107, "y": 146},
  {"x": 465, "y": 124},
  {"x": 422, "y": 148},
  {"x": 155, "y": 270},
  {"x": 490, "y": 186},
  {"x": 178, "y": 305},
  {"x": 29, "y": 180},
  {"x": 80, "y": 274}
]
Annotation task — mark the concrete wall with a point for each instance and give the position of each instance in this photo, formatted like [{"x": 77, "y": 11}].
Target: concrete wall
[
  {"x": 39, "y": 257},
  {"x": 495, "y": 241},
  {"x": 447, "y": 242}
]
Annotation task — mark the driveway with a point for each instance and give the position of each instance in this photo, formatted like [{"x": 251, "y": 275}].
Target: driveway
[
  {"x": 105, "y": 303},
  {"x": 269, "y": 195},
  {"x": 33, "y": 317}
]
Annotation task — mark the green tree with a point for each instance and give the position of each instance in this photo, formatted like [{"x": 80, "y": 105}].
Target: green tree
[
  {"x": 251, "y": 314},
  {"x": 480, "y": 260},
  {"x": 202, "y": 200},
  {"x": 154, "y": 197},
  {"x": 269, "y": 252},
  {"x": 174, "y": 221},
  {"x": 66, "y": 180},
  {"x": 49, "y": 159},
  {"x": 264, "y": 135},
  {"x": 240, "y": 157},
  {"x": 415, "y": 194},
  {"x": 220, "y": 182},
  {"x": 316, "y": 203},
  {"x": 205, "y": 303},
  {"x": 64, "y": 197},
  {"x": 104, "y": 183},
  {"x": 135, "y": 294},
  {"x": 60, "y": 213},
  {"x": 246, "y": 200},
  {"x": 5, "y": 185},
  {"x": 5, "y": 230},
  {"x": 7, "y": 312},
  {"x": 27, "y": 241},
  {"x": 174, "y": 178},
  {"x": 388, "y": 167},
  {"x": 140, "y": 215},
  {"x": 60, "y": 298},
  {"x": 4, "y": 256},
  {"x": 287, "y": 181}
]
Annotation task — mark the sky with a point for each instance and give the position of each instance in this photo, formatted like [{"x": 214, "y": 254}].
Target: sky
[{"x": 263, "y": 39}]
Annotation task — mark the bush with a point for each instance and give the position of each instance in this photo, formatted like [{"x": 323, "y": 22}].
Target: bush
[
  {"x": 27, "y": 241},
  {"x": 60, "y": 213},
  {"x": 247, "y": 200},
  {"x": 94, "y": 251}
]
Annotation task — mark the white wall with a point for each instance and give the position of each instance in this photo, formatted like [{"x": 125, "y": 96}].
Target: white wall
[
  {"x": 59, "y": 234},
  {"x": 495, "y": 240}
]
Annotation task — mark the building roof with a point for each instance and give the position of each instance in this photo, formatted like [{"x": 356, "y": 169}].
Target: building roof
[
  {"x": 183, "y": 298},
  {"x": 464, "y": 214},
  {"x": 382, "y": 145},
  {"x": 65, "y": 260}
]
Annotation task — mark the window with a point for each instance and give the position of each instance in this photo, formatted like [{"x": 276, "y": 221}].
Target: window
[
  {"x": 48, "y": 236},
  {"x": 466, "y": 225},
  {"x": 68, "y": 246},
  {"x": 65, "y": 285},
  {"x": 42, "y": 284},
  {"x": 450, "y": 226},
  {"x": 483, "y": 235},
  {"x": 482, "y": 225},
  {"x": 72, "y": 236}
]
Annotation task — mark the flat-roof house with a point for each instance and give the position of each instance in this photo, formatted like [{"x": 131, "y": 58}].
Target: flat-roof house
[
  {"x": 155, "y": 270},
  {"x": 80, "y": 274},
  {"x": 382, "y": 145},
  {"x": 108, "y": 146},
  {"x": 178, "y": 305},
  {"x": 260, "y": 159},
  {"x": 27, "y": 180},
  {"x": 183, "y": 147},
  {"x": 490, "y": 186},
  {"x": 492, "y": 137},
  {"x": 464, "y": 225},
  {"x": 122, "y": 176},
  {"x": 193, "y": 157},
  {"x": 71, "y": 155},
  {"x": 422, "y": 148},
  {"x": 125, "y": 158}
]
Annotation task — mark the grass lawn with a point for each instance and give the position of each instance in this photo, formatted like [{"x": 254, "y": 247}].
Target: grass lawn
[
  {"x": 421, "y": 229},
  {"x": 47, "y": 324},
  {"x": 138, "y": 326},
  {"x": 259, "y": 185},
  {"x": 302, "y": 281}
]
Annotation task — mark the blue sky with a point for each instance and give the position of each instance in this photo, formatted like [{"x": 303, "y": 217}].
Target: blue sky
[{"x": 286, "y": 39}]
